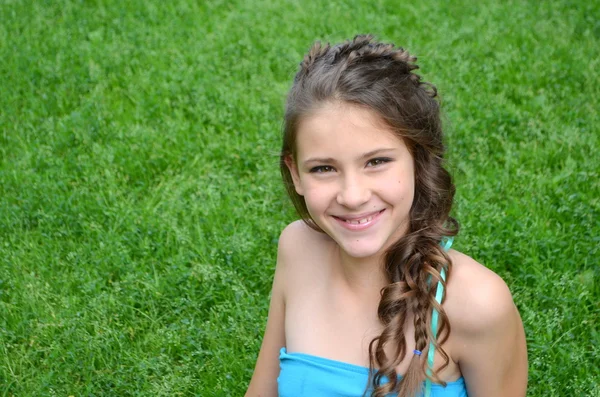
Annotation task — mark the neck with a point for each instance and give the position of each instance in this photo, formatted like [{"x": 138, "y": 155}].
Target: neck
[{"x": 364, "y": 276}]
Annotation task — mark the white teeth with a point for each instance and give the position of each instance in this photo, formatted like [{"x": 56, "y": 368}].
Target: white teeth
[{"x": 359, "y": 221}]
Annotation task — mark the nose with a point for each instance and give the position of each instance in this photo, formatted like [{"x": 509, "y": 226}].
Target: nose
[{"x": 353, "y": 192}]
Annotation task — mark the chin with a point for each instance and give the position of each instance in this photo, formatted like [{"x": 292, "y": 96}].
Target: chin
[{"x": 362, "y": 251}]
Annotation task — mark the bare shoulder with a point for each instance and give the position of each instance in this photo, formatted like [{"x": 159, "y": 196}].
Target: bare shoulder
[
  {"x": 298, "y": 233},
  {"x": 288, "y": 281},
  {"x": 477, "y": 298},
  {"x": 299, "y": 243},
  {"x": 488, "y": 339},
  {"x": 264, "y": 379}
]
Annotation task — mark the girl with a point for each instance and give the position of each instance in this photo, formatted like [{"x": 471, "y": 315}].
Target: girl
[{"x": 367, "y": 297}]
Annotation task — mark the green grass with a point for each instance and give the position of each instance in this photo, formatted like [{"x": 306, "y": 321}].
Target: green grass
[{"x": 140, "y": 197}]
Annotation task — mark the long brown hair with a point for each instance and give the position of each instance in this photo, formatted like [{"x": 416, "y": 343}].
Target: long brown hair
[{"x": 380, "y": 77}]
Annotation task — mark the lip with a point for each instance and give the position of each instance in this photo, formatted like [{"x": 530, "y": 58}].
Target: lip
[{"x": 360, "y": 226}]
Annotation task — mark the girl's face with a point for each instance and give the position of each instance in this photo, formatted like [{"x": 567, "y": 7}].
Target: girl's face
[{"x": 356, "y": 177}]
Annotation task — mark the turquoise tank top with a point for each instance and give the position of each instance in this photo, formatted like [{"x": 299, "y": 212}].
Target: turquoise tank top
[{"x": 305, "y": 375}]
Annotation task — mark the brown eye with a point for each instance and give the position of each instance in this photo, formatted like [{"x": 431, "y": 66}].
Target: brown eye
[
  {"x": 321, "y": 169},
  {"x": 378, "y": 161}
]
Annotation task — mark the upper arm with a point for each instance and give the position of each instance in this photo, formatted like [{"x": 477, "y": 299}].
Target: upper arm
[
  {"x": 264, "y": 379},
  {"x": 492, "y": 355}
]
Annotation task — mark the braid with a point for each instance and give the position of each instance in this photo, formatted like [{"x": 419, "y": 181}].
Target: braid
[
  {"x": 315, "y": 52},
  {"x": 412, "y": 290},
  {"x": 359, "y": 50}
]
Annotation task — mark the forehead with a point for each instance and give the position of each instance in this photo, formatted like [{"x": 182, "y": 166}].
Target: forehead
[{"x": 343, "y": 129}]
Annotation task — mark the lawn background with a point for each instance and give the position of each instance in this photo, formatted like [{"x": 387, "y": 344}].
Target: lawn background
[{"x": 140, "y": 201}]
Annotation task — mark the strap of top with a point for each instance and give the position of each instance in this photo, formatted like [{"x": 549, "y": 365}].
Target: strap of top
[{"x": 446, "y": 243}]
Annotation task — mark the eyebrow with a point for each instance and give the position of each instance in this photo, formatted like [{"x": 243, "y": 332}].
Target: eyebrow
[{"x": 364, "y": 156}]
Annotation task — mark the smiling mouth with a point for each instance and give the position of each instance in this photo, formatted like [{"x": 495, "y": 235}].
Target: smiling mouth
[{"x": 359, "y": 221}]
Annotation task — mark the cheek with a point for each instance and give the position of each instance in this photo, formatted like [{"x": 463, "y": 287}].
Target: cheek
[
  {"x": 406, "y": 184},
  {"x": 317, "y": 198},
  {"x": 409, "y": 194},
  {"x": 403, "y": 192},
  {"x": 408, "y": 177},
  {"x": 405, "y": 189}
]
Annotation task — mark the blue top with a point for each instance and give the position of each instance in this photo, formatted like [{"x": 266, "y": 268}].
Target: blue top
[{"x": 304, "y": 375}]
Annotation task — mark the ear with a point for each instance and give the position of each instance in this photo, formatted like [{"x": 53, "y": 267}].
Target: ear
[{"x": 293, "y": 168}]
